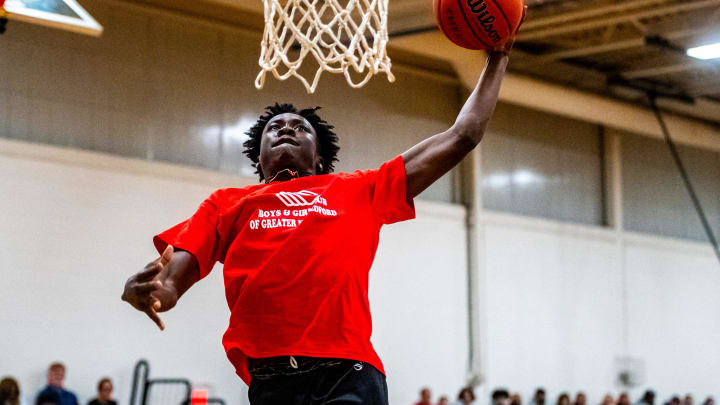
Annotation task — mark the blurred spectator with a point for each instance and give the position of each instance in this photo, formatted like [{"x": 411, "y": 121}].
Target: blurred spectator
[
  {"x": 10, "y": 392},
  {"x": 580, "y": 398},
  {"x": 500, "y": 397},
  {"x": 688, "y": 400},
  {"x": 608, "y": 400},
  {"x": 515, "y": 399},
  {"x": 538, "y": 398},
  {"x": 563, "y": 399},
  {"x": 466, "y": 396},
  {"x": 443, "y": 401},
  {"x": 54, "y": 393},
  {"x": 673, "y": 401},
  {"x": 623, "y": 399},
  {"x": 104, "y": 396},
  {"x": 709, "y": 401},
  {"x": 425, "y": 396},
  {"x": 648, "y": 398},
  {"x": 47, "y": 399}
]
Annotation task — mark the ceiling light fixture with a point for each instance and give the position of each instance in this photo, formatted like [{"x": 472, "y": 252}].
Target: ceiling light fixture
[{"x": 705, "y": 52}]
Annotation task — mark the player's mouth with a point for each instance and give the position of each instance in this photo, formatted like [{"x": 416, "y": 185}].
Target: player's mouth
[{"x": 285, "y": 140}]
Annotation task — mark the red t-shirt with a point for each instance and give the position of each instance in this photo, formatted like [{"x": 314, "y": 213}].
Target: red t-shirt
[{"x": 297, "y": 255}]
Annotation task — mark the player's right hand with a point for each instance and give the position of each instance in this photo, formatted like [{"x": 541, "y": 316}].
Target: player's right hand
[
  {"x": 148, "y": 291},
  {"x": 507, "y": 46}
]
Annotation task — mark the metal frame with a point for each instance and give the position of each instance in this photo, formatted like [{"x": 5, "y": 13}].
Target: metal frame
[
  {"x": 142, "y": 383},
  {"x": 141, "y": 375},
  {"x": 85, "y": 24}
]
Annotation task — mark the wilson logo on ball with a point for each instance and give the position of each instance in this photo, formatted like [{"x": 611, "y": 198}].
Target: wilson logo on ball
[
  {"x": 486, "y": 20},
  {"x": 478, "y": 24}
]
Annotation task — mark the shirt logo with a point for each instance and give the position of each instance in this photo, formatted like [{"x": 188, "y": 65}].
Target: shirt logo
[{"x": 300, "y": 198}]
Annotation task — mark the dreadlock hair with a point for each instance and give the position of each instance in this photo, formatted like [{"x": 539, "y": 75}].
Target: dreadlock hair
[{"x": 327, "y": 139}]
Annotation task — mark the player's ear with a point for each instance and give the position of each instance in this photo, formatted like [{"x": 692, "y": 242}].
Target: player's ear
[{"x": 319, "y": 165}]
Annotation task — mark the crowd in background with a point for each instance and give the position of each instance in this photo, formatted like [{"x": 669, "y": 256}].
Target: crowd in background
[
  {"x": 54, "y": 392},
  {"x": 505, "y": 397}
]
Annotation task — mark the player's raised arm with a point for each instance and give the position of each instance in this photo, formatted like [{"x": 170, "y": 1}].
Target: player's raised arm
[
  {"x": 432, "y": 158},
  {"x": 161, "y": 283}
]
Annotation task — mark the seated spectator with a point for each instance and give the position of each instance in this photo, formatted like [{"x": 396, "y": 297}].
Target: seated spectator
[
  {"x": 104, "y": 396},
  {"x": 688, "y": 400},
  {"x": 608, "y": 400},
  {"x": 563, "y": 399},
  {"x": 47, "y": 399},
  {"x": 425, "y": 397},
  {"x": 466, "y": 396},
  {"x": 709, "y": 401},
  {"x": 623, "y": 399},
  {"x": 538, "y": 398},
  {"x": 443, "y": 401},
  {"x": 648, "y": 398},
  {"x": 515, "y": 399},
  {"x": 54, "y": 393},
  {"x": 500, "y": 397},
  {"x": 580, "y": 398},
  {"x": 10, "y": 392}
]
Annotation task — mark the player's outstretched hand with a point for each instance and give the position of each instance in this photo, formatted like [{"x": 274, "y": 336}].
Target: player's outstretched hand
[
  {"x": 148, "y": 291},
  {"x": 507, "y": 46}
]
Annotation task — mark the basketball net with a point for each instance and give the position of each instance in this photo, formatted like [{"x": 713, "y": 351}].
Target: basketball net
[{"x": 342, "y": 36}]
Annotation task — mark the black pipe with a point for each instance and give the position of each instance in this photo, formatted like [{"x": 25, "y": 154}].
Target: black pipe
[{"x": 686, "y": 178}]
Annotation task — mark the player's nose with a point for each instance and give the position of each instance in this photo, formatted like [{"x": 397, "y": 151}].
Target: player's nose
[{"x": 286, "y": 130}]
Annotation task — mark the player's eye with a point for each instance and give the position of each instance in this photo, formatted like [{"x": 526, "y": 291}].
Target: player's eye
[
  {"x": 301, "y": 128},
  {"x": 274, "y": 127}
]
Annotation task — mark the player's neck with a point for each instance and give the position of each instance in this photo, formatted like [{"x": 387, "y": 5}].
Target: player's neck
[{"x": 287, "y": 174}]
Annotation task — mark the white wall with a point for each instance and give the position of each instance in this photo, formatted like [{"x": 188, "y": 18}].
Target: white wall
[
  {"x": 563, "y": 302},
  {"x": 74, "y": 225},
  {"x": 674, "y": 313}
]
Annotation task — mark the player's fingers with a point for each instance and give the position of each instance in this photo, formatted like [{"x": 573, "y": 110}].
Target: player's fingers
[
  {"x": 167, "y": 255},
  {"x": 522, "y": 19},
  {"x": 147, "y": 287},
  {"x": 149, "y": 272},
  {"x": 155, "y": 318}
]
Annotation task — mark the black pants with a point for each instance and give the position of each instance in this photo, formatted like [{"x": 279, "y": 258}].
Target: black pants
[{"x": 311, "y": 381}]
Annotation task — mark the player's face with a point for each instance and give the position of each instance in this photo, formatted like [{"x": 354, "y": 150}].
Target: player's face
[{"x": 288, "y": 142}]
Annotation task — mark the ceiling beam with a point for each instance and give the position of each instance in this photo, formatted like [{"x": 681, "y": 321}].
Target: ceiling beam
[
  {"x": 528, "y": 35},
  {"x": 587, "y": 51},
  {"x": 588, "y": 13},
  {"x": 609, "y": 47},
  {"x": 665, "y": 70},
  {"x": 705, "y": 90}
]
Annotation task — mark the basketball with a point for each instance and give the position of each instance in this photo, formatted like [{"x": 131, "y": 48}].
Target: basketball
[{"x": 478, "y": 24}]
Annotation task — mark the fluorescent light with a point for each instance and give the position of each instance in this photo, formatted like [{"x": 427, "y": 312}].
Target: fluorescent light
[{"x": 711, "y": 51}]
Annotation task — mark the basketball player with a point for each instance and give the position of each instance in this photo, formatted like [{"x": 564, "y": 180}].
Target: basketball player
[{"x": 297, "y": 250}]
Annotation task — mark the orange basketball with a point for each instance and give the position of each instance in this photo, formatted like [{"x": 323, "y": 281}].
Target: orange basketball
[{"x": 478, "y": 24}]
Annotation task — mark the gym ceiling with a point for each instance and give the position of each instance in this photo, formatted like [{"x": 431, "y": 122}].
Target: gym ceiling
[{"x": 616, "y": 48}]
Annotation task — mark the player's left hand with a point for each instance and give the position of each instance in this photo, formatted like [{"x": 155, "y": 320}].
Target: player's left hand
[{"x": 506, "y": 47}]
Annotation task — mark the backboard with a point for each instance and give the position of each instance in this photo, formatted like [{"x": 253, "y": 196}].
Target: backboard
[{"x": 62, "y": 14}]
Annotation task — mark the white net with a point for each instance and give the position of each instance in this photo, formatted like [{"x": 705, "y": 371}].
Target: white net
[{"x": 342, "y": 36}]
